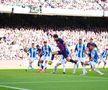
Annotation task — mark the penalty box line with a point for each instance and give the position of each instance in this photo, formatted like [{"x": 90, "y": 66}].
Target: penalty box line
[{"x": 13, "y": 87}]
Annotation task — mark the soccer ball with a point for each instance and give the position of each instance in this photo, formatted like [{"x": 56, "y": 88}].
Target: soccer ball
[{"x": 49, "y": 62}]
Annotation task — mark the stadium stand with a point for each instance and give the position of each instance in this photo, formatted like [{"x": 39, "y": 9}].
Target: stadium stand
[
  {"x": 17, "y": 32},
  {"x": 63, "y": 4}
]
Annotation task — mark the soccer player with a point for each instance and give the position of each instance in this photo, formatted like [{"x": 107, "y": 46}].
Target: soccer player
[
  {"x": 33, "y": 55},
  {"x": 61, "y": 62},
  {"x": 89, "y": 50},
  {"x": 62, "y": 49},
  {"x": 88, "y": 47},
  {"x": 46, "y": 50},
  {"x": 104, "y": 55},
  {"x": 94, "y": 59},
  {"x": 39, "y": 52},
  {"x": 80, "y": 50}
]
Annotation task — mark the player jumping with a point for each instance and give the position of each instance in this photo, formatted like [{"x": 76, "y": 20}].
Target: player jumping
[{"x": 61, "y": 45}]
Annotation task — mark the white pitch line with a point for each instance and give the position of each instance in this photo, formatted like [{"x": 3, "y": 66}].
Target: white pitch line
[
  {"x": 39, "y": 82},
  {"x": 12, "y": 87}
]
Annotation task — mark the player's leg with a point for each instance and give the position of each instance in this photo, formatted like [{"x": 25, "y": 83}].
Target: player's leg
[
  {"x": 64, "y": 68},
  {"x": 104, "y": 60},
  {"x": 47, "y": 58},
  {"x": 75, "y": 66},
  {"x": 66, "y": 56},
  {"x": 55, "y": 67},
  {"x": 40, "y": 64},
  {"x": 95, "y": 69},
  {"x": 54, "y": 53},
  {"x": 83, "y": 66},
  {"x": 70, "y": 60},
  {"x": 63, "y": 63},
  {"x": 45, "y": 65},
  {"x": 99, "y": 63},
  {"x": 30, "y": 63},
  {"x": 104, "y": 64},
  {"x": 89, "y": 56}
]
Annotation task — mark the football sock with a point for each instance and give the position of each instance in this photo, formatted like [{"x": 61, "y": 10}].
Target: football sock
[
  {"x": 30, "y": 66},
  {"x": 52, "y": 58},
  {"x": 45, "y": 65},
  {"x": 84, "y": 69},
  {"x": 55, "y": 67},
  {"x": 40, "y": 65},
  {"x": 64, "y": 69},
  {"x": 74, "y": 68},
  {"x": 104, "y": 64}
]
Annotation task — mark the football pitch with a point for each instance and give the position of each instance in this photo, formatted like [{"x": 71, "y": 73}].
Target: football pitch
[{"x": 33, "y": 80}]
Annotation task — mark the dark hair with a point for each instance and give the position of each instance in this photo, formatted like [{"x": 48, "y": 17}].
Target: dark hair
[
  {"x": 106, "y": 48},
  {"x": 55, "y": 36},
  {"x": 33, "y": 43},
  {"x": 45, "y": 41},
  {"x": 93, "y": 44},
  {"x": 37, "y": 45},
  {"x": 91, "y": 38}
]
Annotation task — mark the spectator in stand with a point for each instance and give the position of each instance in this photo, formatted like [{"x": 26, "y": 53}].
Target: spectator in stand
[
  {"x": 61, "y": 4},
  {"x": 24, "y": 37}
]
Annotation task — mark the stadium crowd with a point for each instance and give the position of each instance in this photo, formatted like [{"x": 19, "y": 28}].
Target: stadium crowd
[
  {"x": 14, "y": 41},
  {"x": 63, "y": 4},
  {"x": 17, "y": 32}
]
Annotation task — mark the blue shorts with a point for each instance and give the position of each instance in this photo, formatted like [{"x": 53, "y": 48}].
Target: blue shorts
[{"x": 65, "y": 53}]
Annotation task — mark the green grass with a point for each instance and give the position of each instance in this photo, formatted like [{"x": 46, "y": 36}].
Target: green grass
[{"x": 34, "y": 80}]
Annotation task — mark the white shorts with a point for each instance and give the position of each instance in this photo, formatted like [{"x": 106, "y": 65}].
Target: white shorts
[
  {"x": 32, "y": 59},
  {"x": 62, "y": 61},
  {"x": 103, "y": 59},
  {"x": 92, "y": 63},
  {"x": 45, "y": 58},
  {"x": 80, "y": 59}
]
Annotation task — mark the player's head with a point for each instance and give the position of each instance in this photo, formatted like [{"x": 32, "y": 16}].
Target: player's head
[
  {"x": 37, "y": 46},
  {"x": 45, "y": 42},
  {"x": 80, "y": 41},
  {"x": 92, "y": 46},
  {"x": 106, "y": 49},
  {"x": 91, "y": 40},
  {"x": 55, "y": 36},
  {"x": 33, "y": 45}
]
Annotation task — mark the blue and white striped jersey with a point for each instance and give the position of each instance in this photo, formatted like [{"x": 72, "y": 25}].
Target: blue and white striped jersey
[
  {"x": 46, "y": 49},
  {"x": 94, "y": 55},
  {"x": 104, "y": 54},
  {"x": 32, "y": 52},
  {"x": 80, "y": 49}
]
